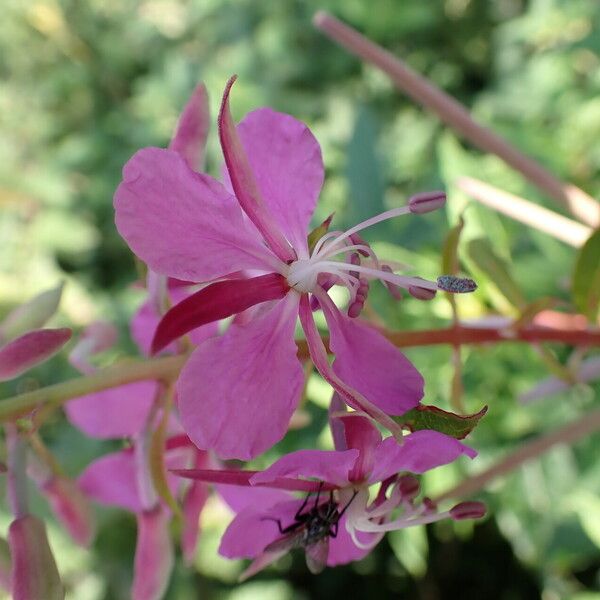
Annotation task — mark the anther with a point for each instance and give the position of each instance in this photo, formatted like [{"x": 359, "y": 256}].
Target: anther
[
  {"x": 426, "y": 202},
  {"x": 456, "y": 285},
  {"x": 468, "y": 510}
]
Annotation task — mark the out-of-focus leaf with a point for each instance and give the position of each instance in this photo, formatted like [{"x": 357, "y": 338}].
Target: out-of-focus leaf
[
  {"x": 450, "y": 263},
  {"x": 363, "y": 170},
  {"x": 586, "y": 278},
  {"x": 483, "y": 255},
  {"x": 432, "y": 417},
  {"x": 411, "y": 548},
  {"x": 530, "y": 310},
  {"x": 31, "y": 315}
]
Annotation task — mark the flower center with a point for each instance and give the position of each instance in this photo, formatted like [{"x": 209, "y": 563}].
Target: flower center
[{"x": 344, "y": 258}]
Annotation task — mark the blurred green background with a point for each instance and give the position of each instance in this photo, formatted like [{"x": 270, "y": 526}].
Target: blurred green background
[{"x": 87, "y": 83}]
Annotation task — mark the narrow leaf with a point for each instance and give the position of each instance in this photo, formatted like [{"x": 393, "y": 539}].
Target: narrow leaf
[
  {"x": 432, "y": 417},
  {"x": 483, "y": 255},
  {"x": 586, "y": 278}
]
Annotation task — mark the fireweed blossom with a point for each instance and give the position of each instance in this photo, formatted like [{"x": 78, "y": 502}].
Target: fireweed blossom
[
  {"x": 237, "y": 392},
  {"x": 361, "y": 460}
]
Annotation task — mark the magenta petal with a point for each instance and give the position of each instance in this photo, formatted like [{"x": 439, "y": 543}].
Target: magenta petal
[
  {"x": 154, "y": 557},
  {"x": 253, "y": 529},
  {"x": 318, "y": 354},
  {"x": 181, "y": 223},
  {"x": 71, "y": 508},
  {"x": 30, "y": 349},
  {"x": 421, "y": 451},
  {"x": 360, "y": 433},
  {"x": 237, "y": 392},
  {"x": 192, "y": 129},
  {"x": 286, "y": 161},
  {"x": 368, "y": 362},
  {"x": 239, "y": 498},
  {"x": 245, "y": 185},
  {"x": 34, "y": 575},
  {"x": 112, "y": 480},
  {"x": 113, "y": 413},
  {"x": 325, "y": 465},
  {"x": 217, "y": 301},
  {"x": 193, "y": 503}
]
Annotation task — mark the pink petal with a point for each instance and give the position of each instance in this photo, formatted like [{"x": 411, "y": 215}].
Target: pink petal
[
  {"x": 34, "y": 575},
  {"x": 421, "y": 451},
  {"x": 154, "y": 557},
  {"x": 319, "y": 357},
  {"x": 325, "y": 465},
  {"x": 217, "y": 301},
  {"x": 242, "y": 478},
  {"x": 184, "y": 224},
  {"x": 112, "y": 480},
  {"x": 193, "y": 502},
  {"x": 342, "y": 549},
  {"x": 145, "y": 322},
  {"x": 287, "y": 164},
  {"x": 245, "y": 185},
  {"x": 192, "y": 129},
  {"x": 253, "y": 529},
  {"x": 371, "y": 364},
  {"x": 29, "y": 350},
  {"x": 360, "y": 433},
  {"x": 237, "y": 392},
  {"x": 113, "y": 413},
  {"x": 238, "y": 498},
  {"x": 71, "y": 508}
]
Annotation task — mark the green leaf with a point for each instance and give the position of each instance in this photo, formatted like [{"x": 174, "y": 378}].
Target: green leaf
[
  {"x": 450, "y": 263},
  {"x": 586, "y": 278},
  {"x": 432, "y": 417},
  {"x": 482, "y": 254},
  {"x": 363, "y": 170}
]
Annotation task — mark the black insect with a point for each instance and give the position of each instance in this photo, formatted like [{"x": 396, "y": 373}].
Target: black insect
[{"x": 311, "y": 530}]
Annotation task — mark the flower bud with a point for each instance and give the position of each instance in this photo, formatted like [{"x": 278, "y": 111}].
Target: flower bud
[
  {"x": 31, "y": 315},
  {"x": 426, "y": 202},
  {"x": 34, "y": 575},
  {"x": 153, "y": 555},
  {"x": 71, "y": 508},
  {"x": 468, "y": 510}
]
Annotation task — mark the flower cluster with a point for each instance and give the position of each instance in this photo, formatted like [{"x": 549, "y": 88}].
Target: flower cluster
[{"x": 232, "y": 265}]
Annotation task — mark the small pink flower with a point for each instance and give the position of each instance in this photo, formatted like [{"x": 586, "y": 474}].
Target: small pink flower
[
  {"x": 238, "y": 391},
  {"x": 342, "y": 479}
]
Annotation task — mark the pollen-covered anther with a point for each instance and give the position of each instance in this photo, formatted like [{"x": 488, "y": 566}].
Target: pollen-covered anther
[{"x": 456, "y": 285}]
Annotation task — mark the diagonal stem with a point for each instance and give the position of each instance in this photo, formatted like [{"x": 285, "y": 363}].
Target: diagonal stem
[
  {"x": 452, "y": 112},
  {"x": 568, "y": 434}
]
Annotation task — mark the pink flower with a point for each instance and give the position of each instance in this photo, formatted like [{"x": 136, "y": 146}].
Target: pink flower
[
  {"x": 351, "y": 524},
  {"x": 237, "y": 392}
]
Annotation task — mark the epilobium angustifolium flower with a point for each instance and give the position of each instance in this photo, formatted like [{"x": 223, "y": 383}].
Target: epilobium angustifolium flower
[{"x": 248, "y": 237}]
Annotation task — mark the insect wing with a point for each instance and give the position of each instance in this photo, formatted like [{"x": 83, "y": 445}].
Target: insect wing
[
  {"x": 287, "y": 542},
  {"x": 316, "y": 555}
]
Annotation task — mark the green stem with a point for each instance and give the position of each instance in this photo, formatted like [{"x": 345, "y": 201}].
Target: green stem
[
  {"x": 168, "y": 368},
  {"x": 158, "y": 368}
]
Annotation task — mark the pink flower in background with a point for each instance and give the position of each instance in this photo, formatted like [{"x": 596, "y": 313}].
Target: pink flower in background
[
  {"x": 265, "y": 531},
  {"x": 238, "y": 391}
]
